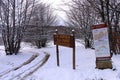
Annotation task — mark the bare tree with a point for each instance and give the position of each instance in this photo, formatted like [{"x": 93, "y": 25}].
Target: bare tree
[
  {"x": 42, "y": 18},
  {"x": 109, "y": 12},
  {"x": 89, "y": 12},
  {"x": 83, "y": 16},
  {"x": 14, "y": 16}
]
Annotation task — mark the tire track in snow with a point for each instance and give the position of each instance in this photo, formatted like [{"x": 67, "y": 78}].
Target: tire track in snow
[
  {"x": 15, "y": 68},
  {"x": 40, "y": 65},
  {"x": 26, "y": 70}
]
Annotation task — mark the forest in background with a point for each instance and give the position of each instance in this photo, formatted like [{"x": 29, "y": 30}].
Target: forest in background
[{"x": 33, "y": 19}]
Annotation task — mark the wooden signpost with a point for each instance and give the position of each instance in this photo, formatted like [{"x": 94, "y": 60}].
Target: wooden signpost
[
  {"x": 102, "y": 49},
  {"x": 67, "y": 41}
]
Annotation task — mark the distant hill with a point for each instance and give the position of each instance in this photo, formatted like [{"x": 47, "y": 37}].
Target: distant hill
[{"x": 49, "y": 30}]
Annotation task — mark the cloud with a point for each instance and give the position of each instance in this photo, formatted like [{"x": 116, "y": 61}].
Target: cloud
[{"x": 58, "y": 5}]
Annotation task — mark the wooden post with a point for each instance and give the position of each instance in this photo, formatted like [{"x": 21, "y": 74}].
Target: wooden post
[
  {"x": 73, "y": 49},
  {"x": 57, "y": 50}
]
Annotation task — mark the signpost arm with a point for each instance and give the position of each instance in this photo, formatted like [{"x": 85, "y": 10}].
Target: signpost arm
[
  {"x": 57, "y": 50},
  {"x": 73, "y": 32}
]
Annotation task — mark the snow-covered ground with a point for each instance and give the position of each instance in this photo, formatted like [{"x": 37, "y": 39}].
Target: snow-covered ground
[{"x": 85, "y": 64}]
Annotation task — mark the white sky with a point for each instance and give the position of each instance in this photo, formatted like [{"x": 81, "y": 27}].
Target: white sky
[{"x": 58, "y": 5}]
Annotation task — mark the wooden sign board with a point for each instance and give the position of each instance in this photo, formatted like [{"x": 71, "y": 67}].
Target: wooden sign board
[{"x": 64, "y": 40}]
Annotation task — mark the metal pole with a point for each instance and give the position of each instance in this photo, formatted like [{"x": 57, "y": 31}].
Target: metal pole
[
  {"x": 73, "y": 32},
  {"x": 57, "y": 50}
]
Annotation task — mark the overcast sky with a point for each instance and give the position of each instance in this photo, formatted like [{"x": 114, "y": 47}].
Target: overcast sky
[{"x": 58, "y": 5}]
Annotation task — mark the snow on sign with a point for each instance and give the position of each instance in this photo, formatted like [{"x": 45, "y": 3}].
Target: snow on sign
[{"x": 101, "y": 41}]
